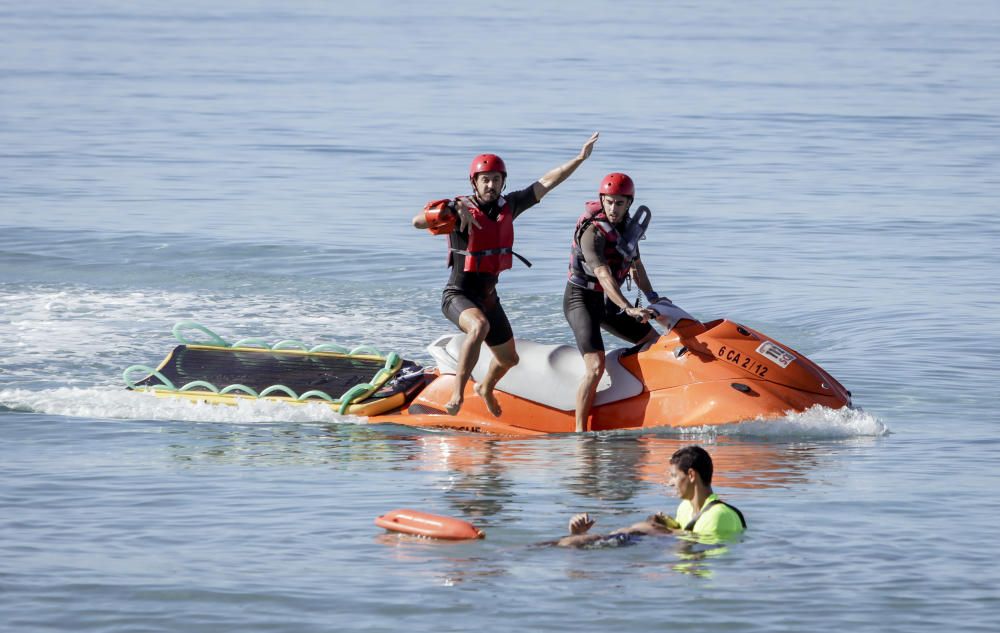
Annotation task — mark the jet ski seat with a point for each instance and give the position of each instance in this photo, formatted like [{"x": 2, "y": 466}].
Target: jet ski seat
[{"x": 547, "y": 374}]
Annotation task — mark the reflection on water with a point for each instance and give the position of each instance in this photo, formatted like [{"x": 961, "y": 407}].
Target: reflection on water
[
  {"x": 609, "y": 467},
  {"x": 283, "y": 444},
  {"x": 479, "y": 486},
  {"x": 442, "y": 561},
  {"x": 738, "y": 463},
  {"x": 695, "y": 558},
  {"x": 614, "y": 467}
]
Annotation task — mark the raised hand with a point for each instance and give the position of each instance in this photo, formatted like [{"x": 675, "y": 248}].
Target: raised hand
[
  {"x": 588, "y": 147},
  {"x": 580, "y": 523}
]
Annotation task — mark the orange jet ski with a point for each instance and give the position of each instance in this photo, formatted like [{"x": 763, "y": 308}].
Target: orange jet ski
[{"x": 695, "y": 374}]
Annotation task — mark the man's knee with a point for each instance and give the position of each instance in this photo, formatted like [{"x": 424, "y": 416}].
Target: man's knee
[
  {"x": 478, "y": 327},
  {"x": 593, "y": 368},
  {"x": 509, "y": 360},
  {"x": 505, "y": 355}
]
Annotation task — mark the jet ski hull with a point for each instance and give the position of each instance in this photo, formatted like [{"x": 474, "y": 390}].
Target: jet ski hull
[{"x": 702, "y": 375}]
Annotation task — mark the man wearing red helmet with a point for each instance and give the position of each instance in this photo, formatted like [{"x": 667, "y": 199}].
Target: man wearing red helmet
[
  {"x": 604, "y": 253},
  {"x": 481, "y": 237}
]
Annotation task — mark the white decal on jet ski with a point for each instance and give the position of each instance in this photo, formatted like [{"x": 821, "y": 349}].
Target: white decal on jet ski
[{"x": 775, "y": 353}]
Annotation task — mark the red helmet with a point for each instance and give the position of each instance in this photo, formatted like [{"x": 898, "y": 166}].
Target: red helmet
[
  {"x": 617, "y": 184},
  {"x": 487, "y": 162}
]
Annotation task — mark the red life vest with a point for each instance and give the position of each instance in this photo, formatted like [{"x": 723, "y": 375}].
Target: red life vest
[
  {"x": 580, "y": 273},
  {"x": 490, "y": 248}
]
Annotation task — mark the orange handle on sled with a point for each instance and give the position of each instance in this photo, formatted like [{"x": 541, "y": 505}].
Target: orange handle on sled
[
  {"x": 428, "y": 525},
  {"x": 439, "y": 218}
]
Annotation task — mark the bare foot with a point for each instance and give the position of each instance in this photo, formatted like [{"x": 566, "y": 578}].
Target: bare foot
[
  {"x": 490, "y": 399},
  {"x": 454, "y": 405}
]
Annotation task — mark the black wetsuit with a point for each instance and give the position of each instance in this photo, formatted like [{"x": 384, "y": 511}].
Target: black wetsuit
[
  {"x": 589, "y": 310},
  {"x": 478, "y": 290}
]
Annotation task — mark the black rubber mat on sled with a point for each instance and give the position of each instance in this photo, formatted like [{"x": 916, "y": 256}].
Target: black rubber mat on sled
[{"x": 259, "y": 370}]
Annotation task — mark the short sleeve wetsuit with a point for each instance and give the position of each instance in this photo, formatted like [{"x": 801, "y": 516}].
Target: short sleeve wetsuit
[
  {"x": 478, "y": 290},
  {"x": 589, "y": 310}
]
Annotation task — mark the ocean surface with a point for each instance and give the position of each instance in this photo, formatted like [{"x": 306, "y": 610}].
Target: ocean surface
[{"x": 825, "y": 172}]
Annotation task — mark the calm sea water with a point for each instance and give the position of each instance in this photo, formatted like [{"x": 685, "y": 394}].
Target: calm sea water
[{"x": 825, "y": 173}]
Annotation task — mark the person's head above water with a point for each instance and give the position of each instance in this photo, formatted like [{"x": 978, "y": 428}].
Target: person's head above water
[
  {"x": 688, "y": 465},
  {"x": 617, "y": 192},
  {"x": 488, "y": 174}
]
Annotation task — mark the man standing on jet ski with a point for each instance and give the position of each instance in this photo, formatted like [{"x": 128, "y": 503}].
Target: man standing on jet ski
[
  {"x": 481, "y": 238},
  {"x": 605, "y": 251}
]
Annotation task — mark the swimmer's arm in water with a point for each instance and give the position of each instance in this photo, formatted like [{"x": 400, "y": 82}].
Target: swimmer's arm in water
[
  {"x": 658, "y": 524},
  {"x": 579, "y": 524}
]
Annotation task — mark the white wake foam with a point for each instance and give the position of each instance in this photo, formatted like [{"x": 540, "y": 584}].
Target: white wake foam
[
  {"x": 107, "y": 403},
  {"x": 817, "y": 422},
  {"x": 88, "y": 336}
]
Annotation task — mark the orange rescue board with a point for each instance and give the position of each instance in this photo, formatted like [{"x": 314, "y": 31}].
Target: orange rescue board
[{"x": 428, "y": 525}]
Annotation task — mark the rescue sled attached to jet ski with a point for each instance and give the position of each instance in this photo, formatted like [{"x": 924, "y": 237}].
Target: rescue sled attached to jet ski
[
  {"x": 695, "y": 374},
  {"x": 361, "y": 381}
]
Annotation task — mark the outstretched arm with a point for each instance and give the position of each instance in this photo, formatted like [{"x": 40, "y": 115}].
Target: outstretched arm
[{"x": 552, "y": 178}]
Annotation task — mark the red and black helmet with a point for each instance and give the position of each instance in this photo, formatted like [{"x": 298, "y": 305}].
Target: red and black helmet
[
  {"x": 487, "y": 162},
  {"x": 617, "y": 184}
]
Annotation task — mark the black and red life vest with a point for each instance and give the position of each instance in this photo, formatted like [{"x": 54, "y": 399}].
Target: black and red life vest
[
  {"x": 491, "y": 246},
  {"x": 580, "y": 274}
]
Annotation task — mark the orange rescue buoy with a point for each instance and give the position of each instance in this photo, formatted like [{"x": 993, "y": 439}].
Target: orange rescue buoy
[{"x": 427, "y": 525}]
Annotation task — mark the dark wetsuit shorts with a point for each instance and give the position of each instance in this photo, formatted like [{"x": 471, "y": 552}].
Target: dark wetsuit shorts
[
  {"x": 589, "y": 310},
  {"x": 454, "y": 302}
]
